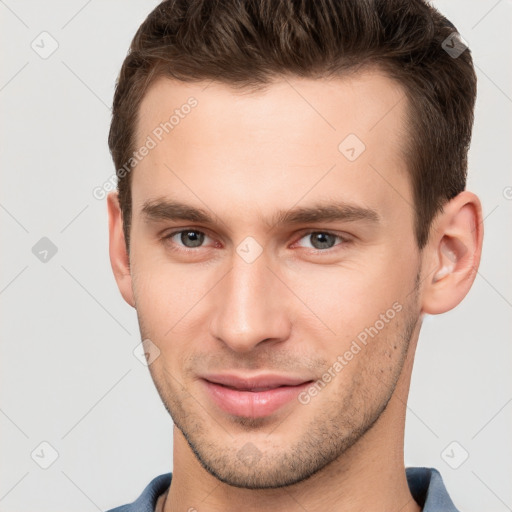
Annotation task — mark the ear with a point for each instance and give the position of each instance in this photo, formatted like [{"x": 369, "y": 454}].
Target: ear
[
  {"x": 453, "y": 253},
  {"x": 119, "y": 258}
]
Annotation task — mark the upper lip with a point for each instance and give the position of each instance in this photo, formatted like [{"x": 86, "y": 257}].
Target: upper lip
[{"x": 247, "y": 383}]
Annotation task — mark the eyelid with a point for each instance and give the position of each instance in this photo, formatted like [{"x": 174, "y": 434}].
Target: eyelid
[
  {"x": 344, "y": 238},
  {"x": 168, "y": 236}
]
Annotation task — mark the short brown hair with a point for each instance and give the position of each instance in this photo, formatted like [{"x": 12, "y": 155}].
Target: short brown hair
[{"x": 249, "y": 43}]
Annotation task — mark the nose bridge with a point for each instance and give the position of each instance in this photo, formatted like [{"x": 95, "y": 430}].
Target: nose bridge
[{"x": 249, "y": 309}]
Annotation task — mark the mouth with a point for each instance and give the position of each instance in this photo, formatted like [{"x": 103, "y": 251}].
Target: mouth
[{"x": 253, "y": 396}]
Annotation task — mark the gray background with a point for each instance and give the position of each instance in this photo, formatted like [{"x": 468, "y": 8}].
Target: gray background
[{"x": 68, "y": 374}]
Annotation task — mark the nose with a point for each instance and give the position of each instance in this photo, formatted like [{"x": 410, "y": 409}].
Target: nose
[{"x": 252, "y": 306}]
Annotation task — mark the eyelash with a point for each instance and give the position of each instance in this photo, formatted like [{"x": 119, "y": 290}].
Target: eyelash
[{"x": 344, "y": 240}]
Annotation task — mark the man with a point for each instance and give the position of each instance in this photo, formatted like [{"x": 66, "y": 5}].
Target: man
[{"x": 291, "y": 202}]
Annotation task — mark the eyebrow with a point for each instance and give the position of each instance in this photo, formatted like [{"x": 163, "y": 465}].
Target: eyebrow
[{"x": 172, "y": 210}]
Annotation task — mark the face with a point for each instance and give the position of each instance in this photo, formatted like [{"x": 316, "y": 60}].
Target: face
[{"x": 274, "y": 267}]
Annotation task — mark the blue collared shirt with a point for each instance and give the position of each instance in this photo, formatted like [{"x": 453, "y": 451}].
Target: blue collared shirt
[{"x": 426, "y": 486}]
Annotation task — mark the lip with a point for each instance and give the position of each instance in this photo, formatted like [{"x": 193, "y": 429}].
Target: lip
[{"x": 253, "y": 396}]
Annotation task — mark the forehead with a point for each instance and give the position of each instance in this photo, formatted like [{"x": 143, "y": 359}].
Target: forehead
[{"x": 298, "y": 137}]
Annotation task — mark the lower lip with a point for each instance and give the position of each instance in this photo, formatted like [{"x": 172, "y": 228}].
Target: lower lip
[{"x": 252, "y": 404}]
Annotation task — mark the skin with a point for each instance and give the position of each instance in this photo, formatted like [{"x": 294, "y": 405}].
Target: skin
[{"x": 293, "y": 310}]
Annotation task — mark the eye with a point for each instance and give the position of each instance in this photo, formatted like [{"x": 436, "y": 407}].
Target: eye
[
  {"x": 189, "y": 238},
  {"x": 321, "y": 240}
]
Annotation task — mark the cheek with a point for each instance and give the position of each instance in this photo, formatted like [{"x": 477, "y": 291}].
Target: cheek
[
  {"x": 347, "y": 300},
  {"x": 167, "y": 294}
]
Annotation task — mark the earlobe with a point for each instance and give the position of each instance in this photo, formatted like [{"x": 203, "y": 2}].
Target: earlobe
[
  {"x": 453, "y": 253},
  {"x": 119, "y": 258}
]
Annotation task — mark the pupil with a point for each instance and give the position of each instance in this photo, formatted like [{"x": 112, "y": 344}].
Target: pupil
[
  {"x": 194, "y": 237},
  {"x": 322, "y": 240}
]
